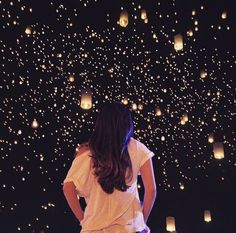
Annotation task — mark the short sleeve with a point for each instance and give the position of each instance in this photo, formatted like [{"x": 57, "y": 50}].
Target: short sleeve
[
  {"x": 72, "y": 173},
  {"x": 144, "y": 153},
  {"x": 80, "y": 174}
]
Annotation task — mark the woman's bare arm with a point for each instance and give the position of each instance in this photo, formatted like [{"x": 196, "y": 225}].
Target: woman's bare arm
[
  {"x": 149, "y": 182},
  {"x": 72, "y": 200},
  {"x": 70, "y": 193}
]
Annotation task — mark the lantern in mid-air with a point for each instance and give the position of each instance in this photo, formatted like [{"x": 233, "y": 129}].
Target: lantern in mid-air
[
  {"x": 86, "y": 99},
  {"x": 218, "y": 149},
  {"x": 207, "y": 216},
  {"x": 170, "y": 224},
  {"x": 158, "y": 111},
  {"x": 134, "y": 106},
  {"x": 140, "y": 106},
  {"x": 34, "y": 124},
  {"x": 203, "y": 74},
  {"x": 211, "y": 138},
  {"x": 224, "y": 15},
  {"x": 124, "y": 18},
  {"x": 178, "y": 42},
  {"x": 28, "y": 30},
  {"x": 125, "y": 101},
  {"x": 143, "y": 14}
]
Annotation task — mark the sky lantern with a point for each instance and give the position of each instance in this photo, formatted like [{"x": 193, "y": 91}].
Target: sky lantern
[
  {"x": 140, "y": 106},
  {"x": 207, "y": 216},
  {"x": 178, "y": 42},
  {"x": 34, "y": 124},
  {"x": 185, "y": 117},
  {"x": 170, "y": 224},
  {"x": 211, "y": 138},
  {"x": 124, "y": 18},
  {"x": 134, "y": 106},
  {"x": 143, "y": 14},
  {"x": 125, "y": 101},
  {"x": 224, "y": 15},
  {"x": 218, "y": 149},
  {"x": 71, "y": 78},
  {"x": 28, "y": 30},
  {"x": 86, "y": 99},
  {"x": 203, "y": 74},
  {"x": 158, "y": 111}
]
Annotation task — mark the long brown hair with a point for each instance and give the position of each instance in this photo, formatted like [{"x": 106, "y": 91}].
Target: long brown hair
[{"x": 108, "y": 144}]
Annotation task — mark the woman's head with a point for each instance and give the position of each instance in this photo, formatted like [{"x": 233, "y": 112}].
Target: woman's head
[{"x": 108, "y": 143}]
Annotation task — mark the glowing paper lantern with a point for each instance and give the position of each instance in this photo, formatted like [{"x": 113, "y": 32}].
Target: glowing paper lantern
[
  {"x": 125, "y": 101},
  {"x": 190, "y": 32},
  {"x": 224, "y": 15},
  {"x": 143, "y": 14},
  {"x": 158, "y": 111},
  {"x": 71, "y": 78},
  {"x": 211, "y": 138},
  {"x": 28, "y": 30},
  {"x": 207, "y": 216},
  {"x": 140, "y": 106},
  {"x": 34, "y": 124},
  {"x": 124, "y": 19},
  {"x": 86, "y": 99},
  {"x": 181, "y": 186},
  {"x": 134, "y": 106},
  {"x": 146, "y": 20},
  {"x": 170, "y": 224},
  {"x": 218, "y": 149},
  {"x": 185, "y": 117},
  {"x": 178, "y": 42},
  {"x": 203, "y": 74}
]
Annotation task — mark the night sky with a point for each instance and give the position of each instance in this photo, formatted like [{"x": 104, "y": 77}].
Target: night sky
[{"x": 182, "y": 103}]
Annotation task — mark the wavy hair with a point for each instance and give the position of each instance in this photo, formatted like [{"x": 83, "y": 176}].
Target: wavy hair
[{"x": 109, "y": 147}]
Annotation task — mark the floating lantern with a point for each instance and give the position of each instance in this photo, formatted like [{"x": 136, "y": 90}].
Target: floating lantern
[
  {"x": 218, "y": 149},
  {"x": 143, "y": 14},
  {"x": 190, "y": 32},
  {"x": 182, "y": 121},
  {"x": 86, "y": 99},
  {"x": 207, "y": 216},
  {"x": 185, "y": 117},
  {"x": 211, "y": 138},
  {"x": 140, "y": 106},
  {"x": 71, "y": 78},
  {"x": 125, "y": 101},
  {"x": 134, "y": 106},
  {"x": 203, "y": 74},
  {"x": 28, "y": 30},
  {"x": 158, "y": 111},
  {"x": 170, "y": 224},
  {"x": 34, "y": 124},
  {"x": 146, "y": 20},
  {"x": 181, "y": 186},
  {"x": 178, "y": 42},
  {"x": 124, "y": 18},
  {"x": 224, "y": 15}
]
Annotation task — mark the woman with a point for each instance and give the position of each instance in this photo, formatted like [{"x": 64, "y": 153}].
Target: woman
[{"x": 105, "y": 172}]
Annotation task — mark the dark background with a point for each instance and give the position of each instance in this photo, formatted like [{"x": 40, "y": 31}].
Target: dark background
[{"x": 31, "y": 188}]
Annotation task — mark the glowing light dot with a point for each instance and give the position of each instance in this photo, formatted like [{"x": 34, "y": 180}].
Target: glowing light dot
[
  {"x": 224, "y": 15},
  {"x": 28, "y": 30},
  {"x": 35, "y": 124},
  {"x": 207, "y": 216}
]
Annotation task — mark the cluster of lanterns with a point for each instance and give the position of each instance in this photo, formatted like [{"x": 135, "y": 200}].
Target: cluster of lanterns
[
  {"x": 218, "y": 147},
  {"x": 124, "y": 18},
  {"x": 184, "y": 119},
  {"x": 170, "y": 221}
]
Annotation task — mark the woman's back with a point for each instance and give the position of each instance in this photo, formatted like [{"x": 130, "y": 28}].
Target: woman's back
[{"x": 117, "y": 212}]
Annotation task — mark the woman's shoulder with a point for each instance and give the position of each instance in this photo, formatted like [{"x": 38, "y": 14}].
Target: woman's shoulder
[{"x": 82, "y": 149}]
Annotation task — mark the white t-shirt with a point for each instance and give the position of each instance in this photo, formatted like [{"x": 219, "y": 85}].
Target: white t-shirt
[{"x": 119, "y": 212}]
